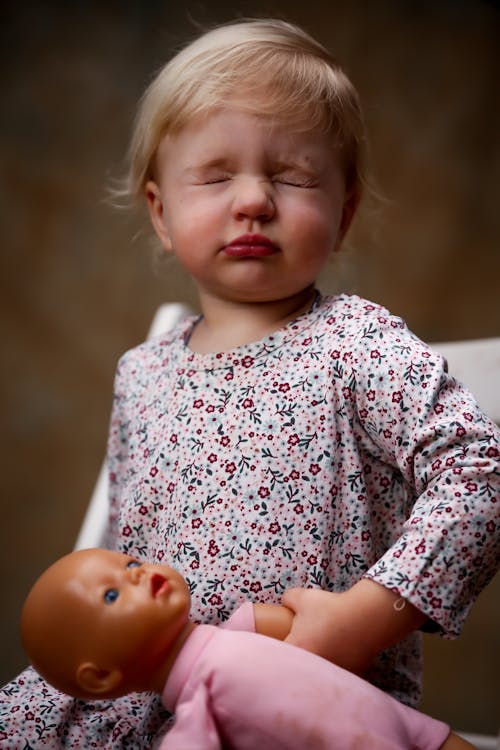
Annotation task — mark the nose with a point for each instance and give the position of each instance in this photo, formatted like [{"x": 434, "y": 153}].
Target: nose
[
  {"x": 253, "y": 200},
  {"x": 135, "y": 574}
]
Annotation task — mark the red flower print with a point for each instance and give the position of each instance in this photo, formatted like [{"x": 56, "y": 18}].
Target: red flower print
[
  {"x": 126, "y": 531},
  {"x": 229, "y": 376},
  {"x": 420, "y": 548},
  {"x": 198, "y": 403},
  {"x": 231, "y": 467},
  {"x": 438, "y": 408},
  {"x": 194, "y": 565},
  {"x": 312, "y": 560},
  {"x": 143, "y": 510},
  {"x": 225, "y": 441},
  {"x": 213, "y": 549},
  {"x": 294, "y": 474},
  {"x": 375, "y": 354},
  {"x": 255, "y": 587},
  {"x": 173, "y": 438},
  {"x": 299, "y": 508},
  {"x": 370, "y": 395},
  {"x": 274, "y": 527},
  {"x": 492, "y": 452},
  {"x": 247, "y": 403},
  {"x": 397, "y": 397},
  {"x": 335, "y": 354},
  {"x": 212, "y": 458},
  {"x": 196, "y": 523},
  {"x": 314, "y": 469},
  {"x": 436, "y": 602},
  {"x": 284, "y": 388},
  {"x": 293, "y": 439},
  {"x": 153, "y": 472},
  {"x": 215, "y": 600},
  {"x": 264, "y": 492},
  {"x": 471, "y": 486}
]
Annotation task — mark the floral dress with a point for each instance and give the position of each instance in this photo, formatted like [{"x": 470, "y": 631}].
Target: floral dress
[{"x": 335, "y": 448}]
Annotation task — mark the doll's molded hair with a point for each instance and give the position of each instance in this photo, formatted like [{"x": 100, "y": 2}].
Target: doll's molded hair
[{"x": 267, "y": 67}]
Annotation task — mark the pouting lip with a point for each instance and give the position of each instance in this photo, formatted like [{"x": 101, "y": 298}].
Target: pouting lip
[
  {"x": 159, "y": 584},
  {"x": 251, "y": 246},
  {"x": 252, "y": 240}
]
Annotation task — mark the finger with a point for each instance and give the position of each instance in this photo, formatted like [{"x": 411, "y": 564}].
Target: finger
[{"x": 291, "y": 598}]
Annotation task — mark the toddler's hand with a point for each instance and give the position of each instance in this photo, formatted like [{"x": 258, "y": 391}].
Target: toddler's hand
[
  {"x": 323, "y": 624},
  {"x": 353, "y": 627}
]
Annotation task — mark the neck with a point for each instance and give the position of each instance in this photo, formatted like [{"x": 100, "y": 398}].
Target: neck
[
  {"x": 227, "y": 324},
  {"x": 159, "y": 678}
]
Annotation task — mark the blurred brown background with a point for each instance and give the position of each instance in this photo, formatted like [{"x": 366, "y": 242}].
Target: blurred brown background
[{"x": 77, "y": 289}]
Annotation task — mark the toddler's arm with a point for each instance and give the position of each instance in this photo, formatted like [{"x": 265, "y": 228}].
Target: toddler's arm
[{"x": 353, "y": 627}]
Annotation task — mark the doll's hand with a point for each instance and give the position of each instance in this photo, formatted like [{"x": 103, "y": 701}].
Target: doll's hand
[{"x": 350, "y": 628}]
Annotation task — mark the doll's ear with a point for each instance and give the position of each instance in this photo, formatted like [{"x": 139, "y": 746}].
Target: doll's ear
[
  {"x": 157, "y": 214},
  {"x": 95, "y": 681}
]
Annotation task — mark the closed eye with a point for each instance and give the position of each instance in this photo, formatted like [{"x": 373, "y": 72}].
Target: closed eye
[{"x": 295, "y": 181}]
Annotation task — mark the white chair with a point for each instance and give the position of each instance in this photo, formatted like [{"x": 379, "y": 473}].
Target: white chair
[{"x": 475, "y": 363}]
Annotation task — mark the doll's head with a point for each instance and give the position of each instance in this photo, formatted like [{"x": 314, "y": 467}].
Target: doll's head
[
  {"x": 98, "y": 623},
  {"x": 264, "y": 67}
]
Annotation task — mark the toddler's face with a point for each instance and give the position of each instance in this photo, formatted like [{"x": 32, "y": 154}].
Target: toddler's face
[{"x": 251, "y": 209}]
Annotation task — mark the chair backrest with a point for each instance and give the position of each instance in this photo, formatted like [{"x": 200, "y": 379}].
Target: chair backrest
[{"x": 476, "y": 363}]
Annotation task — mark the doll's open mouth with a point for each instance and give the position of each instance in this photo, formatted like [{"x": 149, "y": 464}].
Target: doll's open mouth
[{"x": 159, "y": 584}]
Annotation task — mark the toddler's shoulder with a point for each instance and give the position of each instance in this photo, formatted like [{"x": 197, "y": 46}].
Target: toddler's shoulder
[
  {"x": 352, "y": 317},
  {"x": 147, "y": 358}
]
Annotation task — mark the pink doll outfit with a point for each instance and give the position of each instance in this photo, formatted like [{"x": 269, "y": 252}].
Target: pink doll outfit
[{"x": 244, "y": 691}]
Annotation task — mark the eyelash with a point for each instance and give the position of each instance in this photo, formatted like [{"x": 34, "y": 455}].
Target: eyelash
[
  {"x": 111, "y": 595},
  {"x": 279, "y": 180}
]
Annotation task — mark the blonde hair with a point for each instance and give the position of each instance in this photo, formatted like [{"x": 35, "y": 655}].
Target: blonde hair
[{"x": 265, "y": 67}]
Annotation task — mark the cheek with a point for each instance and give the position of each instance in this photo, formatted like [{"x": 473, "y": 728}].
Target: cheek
[{"x": 318, "y": 221}]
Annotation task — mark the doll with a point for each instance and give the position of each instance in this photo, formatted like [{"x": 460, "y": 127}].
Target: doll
[{"x": 100, "y": 624}]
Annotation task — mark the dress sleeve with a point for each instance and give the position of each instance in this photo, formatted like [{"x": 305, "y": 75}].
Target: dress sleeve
[
  {"x": 194, "y": 726},
  {"x": 416, "y": 417}
]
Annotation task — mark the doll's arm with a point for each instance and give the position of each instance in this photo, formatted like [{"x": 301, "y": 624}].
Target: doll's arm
[
  {"x": 194, "y": 726},
  {"x": 353, "y": 627},
  {"x": 273, "y": 620}
]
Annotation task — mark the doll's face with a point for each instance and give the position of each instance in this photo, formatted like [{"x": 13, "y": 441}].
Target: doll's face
[{"x": 106, "y": 609}]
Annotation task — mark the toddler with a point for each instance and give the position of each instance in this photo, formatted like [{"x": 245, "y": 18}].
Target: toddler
[{"x": 283, "y": 439}]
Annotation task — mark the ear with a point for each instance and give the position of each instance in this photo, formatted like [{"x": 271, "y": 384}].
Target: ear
[
  {"x": 95, "y": 681},
  {"x": 156, "y": 213},
  {"x": 349, "y": 209}
]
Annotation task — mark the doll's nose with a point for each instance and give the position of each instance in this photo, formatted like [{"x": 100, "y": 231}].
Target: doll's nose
[{"x": 135, "y": 574}]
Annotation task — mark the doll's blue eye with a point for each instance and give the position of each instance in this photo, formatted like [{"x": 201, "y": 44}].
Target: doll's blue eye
[
  {"x": 111, "y": 595},
  {"x": 133, "y": 564}
]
